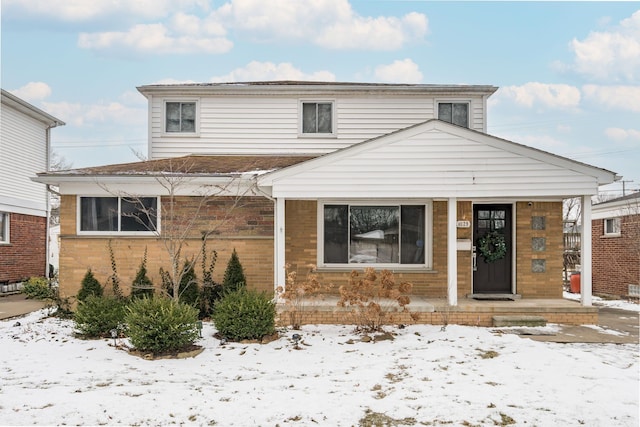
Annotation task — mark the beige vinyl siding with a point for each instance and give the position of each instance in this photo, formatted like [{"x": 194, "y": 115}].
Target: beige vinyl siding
[
  {"x": 269, "y": 124},
  {"x": 22, "y": 155}
]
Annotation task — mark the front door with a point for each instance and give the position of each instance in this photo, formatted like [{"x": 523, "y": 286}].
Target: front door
[{"x": 492, "y": 249}]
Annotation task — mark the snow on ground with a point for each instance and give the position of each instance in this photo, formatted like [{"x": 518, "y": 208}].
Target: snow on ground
[
  {"x": 600, "y": 302},
  {"x": 463, "y": 376}
]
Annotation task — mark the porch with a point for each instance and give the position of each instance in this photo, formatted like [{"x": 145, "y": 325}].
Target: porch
[{"x": 437, "y": 311}]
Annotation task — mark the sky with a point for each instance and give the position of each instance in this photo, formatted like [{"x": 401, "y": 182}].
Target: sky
[
  {"x": 425, "y": 376},
  {"x": 568, "y": 72}
]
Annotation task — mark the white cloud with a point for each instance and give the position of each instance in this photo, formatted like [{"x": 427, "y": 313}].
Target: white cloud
[
  {"x": 328, "y": 23},
  {"x": 614, "y": 97},
  {"x": 77, "y": 114},
  {"x": 258, "y": 71},
  {"x": 549, "y": 95},
  {"x": 84, "y": 10},
  {"x": 153, "y": 39},
  {"x": 619, "y": 134},
  {"x": 33, "y": 91},
  {"x": 610, "y": 55},
  {"x": 405, "y": 71}
]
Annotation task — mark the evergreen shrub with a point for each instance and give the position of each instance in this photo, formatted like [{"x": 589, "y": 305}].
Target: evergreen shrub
[
  {"x": 244, "y": 314},
  {"x": 38, "y": 288},
  {"x": 142, "y": 286},
  {"x": 159, "y": 324},
  {"x": 96, "y": 316},
  {"x": 90, "y": 286},
  {"x": 234, "y": 277}
]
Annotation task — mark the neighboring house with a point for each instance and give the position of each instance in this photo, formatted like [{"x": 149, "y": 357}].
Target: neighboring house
[
  {"x": 616, "y": 247},
  {"x": 24, "y": 204},
  {"x": 340, "y": 176}
]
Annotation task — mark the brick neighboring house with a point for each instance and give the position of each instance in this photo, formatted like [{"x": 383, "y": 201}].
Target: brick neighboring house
[
  {"x": 24, "y": 204},
  {"x": 616, "y": 247},
  {"x": 342, "y": 176}
]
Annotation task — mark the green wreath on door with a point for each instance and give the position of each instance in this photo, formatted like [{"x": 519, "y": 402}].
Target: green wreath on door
[{"x": 492, "y": 246}]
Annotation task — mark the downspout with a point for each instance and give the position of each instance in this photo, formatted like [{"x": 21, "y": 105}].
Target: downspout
[{"x": 48, "y": 190}]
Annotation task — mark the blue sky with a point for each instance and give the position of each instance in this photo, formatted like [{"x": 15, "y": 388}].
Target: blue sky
[{"x": 568, "y": 72}]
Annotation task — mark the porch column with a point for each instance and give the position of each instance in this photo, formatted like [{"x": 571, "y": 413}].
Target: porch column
[
  {"x": 585, "y": 252},
  {"x": 452, "y": 252},
  {"x": 278, "y": 253}
]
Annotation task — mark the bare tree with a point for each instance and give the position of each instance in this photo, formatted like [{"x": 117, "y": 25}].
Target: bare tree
[{"x": 181, "y": 221}]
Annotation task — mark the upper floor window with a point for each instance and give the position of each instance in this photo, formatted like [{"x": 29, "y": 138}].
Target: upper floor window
[
  {"x": 454, "y": 112},
  {"x": 4, "y": 227},
  {"x": 612, "y": 226},
  {"x": 180, "y": 117},
  {"x": 373, "y": 234},
  {"x": 118, "y": 214},
  {"x": 317, "y": 117}
]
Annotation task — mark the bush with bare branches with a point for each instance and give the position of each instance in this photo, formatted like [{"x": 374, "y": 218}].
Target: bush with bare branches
[{"x": 373, "y": 298}]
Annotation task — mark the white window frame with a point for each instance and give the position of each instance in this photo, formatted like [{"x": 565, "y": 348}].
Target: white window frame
[
  {"x": 454, "y": 101},
  {"x": 196, "y": 132},
  {"x": 616, "y": 223},
  {"x": 428, "y": 229},
  {"x": 333, "y": 132},
  {"x": 5, "y": 237},
  {"x": 81, "y": 232}
]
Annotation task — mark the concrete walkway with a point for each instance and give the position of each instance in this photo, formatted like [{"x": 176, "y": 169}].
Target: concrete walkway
[
  {"x": 15, "y": 305},
  {"x": 615, "y": 326}
]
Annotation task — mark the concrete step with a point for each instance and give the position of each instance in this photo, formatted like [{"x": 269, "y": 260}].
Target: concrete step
[{"x": 519, "y": 321}]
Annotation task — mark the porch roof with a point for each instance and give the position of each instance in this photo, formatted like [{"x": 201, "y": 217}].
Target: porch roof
[{"x": 435, "y": 159}]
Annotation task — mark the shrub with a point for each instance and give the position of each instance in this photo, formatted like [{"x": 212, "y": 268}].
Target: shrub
[
  {"x": 234, "y": 274},
  {"x": 142, "y": 285},
  {"x": 244, "y": 314},
  {"x": 90, "y": 286},
  {"x": 210, "y": 291},
  {"x": 38, "y": 288},
  {"x": 159, "y": 324},
  {"x": 188, "y": 292},
  {"x": 373, "y": 299},
  {"x": 96, "y": 316},
  {"x": 114, "y": 279}
]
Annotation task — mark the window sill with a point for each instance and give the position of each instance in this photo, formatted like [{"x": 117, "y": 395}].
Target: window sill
[
  {"x": 609, "y": 236},
  {"x": 318, "y": 135},
  {"x": 361, "y": 267}
]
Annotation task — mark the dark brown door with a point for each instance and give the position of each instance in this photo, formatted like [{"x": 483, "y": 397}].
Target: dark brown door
[{"x": 492, "y": 249}]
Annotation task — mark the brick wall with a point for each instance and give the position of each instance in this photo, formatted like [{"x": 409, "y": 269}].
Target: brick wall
[
  {"x": 25, "y": 256},
  {"x": 301, "y": 249},
  {"x": 539, "y": 271},
  {"x": 616, "y": 260},
  {"x": 247, "y": 227}
]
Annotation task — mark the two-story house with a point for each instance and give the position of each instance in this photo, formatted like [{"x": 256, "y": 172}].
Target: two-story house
[
  {"x": 341, "y": 176},
  {"x": 24, "y": 205}
]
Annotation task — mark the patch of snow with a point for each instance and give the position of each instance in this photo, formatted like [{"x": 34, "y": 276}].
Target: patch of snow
[
  {"x": 597, "y": 301},
  {"x": 461, "y": 376}
]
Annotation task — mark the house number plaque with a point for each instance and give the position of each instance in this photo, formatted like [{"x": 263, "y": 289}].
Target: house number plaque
[{"x": 463, "y": 224}]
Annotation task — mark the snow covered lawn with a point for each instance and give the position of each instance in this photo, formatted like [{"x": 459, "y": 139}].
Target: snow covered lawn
[{"x": 463, "y": 376}]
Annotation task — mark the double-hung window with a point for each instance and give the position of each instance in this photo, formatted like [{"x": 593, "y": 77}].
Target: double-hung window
[
  {"x": 454, "y": 112},
  {"x": 384, "y": 234},
  {"x": 612, "y": 226},
  {"x": 180, "y": 117},
  {"x": 317, "y": 117},
  {"x": 4, "y": 228},
  {"x": 136, "y": 215}
]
